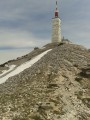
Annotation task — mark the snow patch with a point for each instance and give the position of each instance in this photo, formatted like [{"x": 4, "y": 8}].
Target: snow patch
[
  {"x": 11, "y": 67},
  {"x": 22, "y": 67},
  {"x": 6, "y": 65}
]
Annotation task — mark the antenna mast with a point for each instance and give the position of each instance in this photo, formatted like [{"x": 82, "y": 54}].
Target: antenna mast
[{"x": 56, "y": 11}]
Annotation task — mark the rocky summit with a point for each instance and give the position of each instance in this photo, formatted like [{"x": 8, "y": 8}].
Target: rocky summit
[{"x": 56, "y": 87}]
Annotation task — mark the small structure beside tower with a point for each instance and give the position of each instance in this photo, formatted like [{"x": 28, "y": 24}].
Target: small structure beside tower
[{"x": 56, "y": 27}]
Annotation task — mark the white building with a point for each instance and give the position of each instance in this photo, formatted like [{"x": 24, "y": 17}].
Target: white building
[{"x": 56, "y": 27}]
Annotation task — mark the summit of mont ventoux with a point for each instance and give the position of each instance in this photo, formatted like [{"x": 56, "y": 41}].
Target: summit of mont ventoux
[{"x": 49, "y": 83}]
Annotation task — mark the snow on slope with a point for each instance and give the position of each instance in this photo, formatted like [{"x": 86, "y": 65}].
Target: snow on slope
[
  {"x": 11, "y": 67},
  {"x": 23, "y": 67}
]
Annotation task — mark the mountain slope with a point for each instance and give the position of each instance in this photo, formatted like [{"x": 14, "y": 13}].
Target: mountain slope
[
  {"x": 13, "y": 70},
  {"x": 57, "y": 87}
]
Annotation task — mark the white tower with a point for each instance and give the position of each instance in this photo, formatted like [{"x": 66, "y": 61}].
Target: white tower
[{"x": 56, "y": 27}]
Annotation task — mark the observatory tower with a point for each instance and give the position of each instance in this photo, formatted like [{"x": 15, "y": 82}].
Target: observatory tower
[{"x": 56, "y": 26}]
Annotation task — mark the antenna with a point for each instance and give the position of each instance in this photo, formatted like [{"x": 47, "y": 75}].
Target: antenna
[
  {"x": 56, "y": 11},
  {"x": 56, "y": 5}
]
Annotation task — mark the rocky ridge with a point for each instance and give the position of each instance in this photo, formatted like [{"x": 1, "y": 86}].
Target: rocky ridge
[{"x": 57, "y": 87}]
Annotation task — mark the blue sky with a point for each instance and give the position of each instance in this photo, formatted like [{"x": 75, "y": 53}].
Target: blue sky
[{"x": 27, "y": 23}]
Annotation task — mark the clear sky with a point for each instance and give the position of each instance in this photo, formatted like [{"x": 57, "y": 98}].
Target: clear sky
[{"x": 27, "y": 23}]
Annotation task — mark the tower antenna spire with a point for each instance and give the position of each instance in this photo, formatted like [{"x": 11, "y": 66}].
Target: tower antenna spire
[
  {"x": 56, "y": 5},
  {"x": 56, "y": 11}
]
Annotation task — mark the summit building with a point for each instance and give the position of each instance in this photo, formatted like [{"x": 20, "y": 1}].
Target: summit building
[{"x": 56, "y": 26}]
